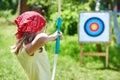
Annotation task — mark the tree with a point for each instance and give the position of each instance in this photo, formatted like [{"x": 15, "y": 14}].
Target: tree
[{"x": 23, "y": 6}]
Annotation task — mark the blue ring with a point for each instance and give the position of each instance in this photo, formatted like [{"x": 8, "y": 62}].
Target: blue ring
[{"x": 90, "y": 21}]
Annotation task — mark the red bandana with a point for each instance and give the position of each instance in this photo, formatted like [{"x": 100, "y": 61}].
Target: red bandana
[{"x": 29, "y": 22}]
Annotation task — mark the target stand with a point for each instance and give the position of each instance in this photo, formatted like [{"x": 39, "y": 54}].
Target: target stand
[{"x": 94, "y": 27}]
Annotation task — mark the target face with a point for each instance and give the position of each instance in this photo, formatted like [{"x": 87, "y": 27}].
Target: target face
[{"x": 94, "y": 27}]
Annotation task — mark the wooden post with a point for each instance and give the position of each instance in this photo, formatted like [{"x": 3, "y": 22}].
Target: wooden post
[
  {"x": 97, "y": 8},
  {"x": 99, "y": 48},
  {"x": 81, "y": 52},
  {"x": 107, "y": 51}
]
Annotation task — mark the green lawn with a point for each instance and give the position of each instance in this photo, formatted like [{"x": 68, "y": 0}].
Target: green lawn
[{"x": 68, "y": 67}]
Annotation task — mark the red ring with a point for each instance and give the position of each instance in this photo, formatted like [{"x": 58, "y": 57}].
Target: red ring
[{"x": 96, "y": 28}]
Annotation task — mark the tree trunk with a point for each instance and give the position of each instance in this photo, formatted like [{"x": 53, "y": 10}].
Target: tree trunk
[{"x": 23, "y": 6}]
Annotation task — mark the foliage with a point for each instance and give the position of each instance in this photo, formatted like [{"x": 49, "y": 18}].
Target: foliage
[
  {"x": 42, "y": 5},
  {"x": 6, "y": 15},
  {"x": 70, "y": 14},
  {"x": 9, "y": 4}
]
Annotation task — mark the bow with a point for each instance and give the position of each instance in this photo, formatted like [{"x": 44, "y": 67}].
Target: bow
[{"x": 57, "y": 46}]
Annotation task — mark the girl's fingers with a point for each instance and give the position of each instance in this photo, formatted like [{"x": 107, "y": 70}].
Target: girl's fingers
[{"x": 61, "y": 36}]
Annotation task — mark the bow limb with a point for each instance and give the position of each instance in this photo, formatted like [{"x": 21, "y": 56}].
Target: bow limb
[{"x": 57, "y": 46}]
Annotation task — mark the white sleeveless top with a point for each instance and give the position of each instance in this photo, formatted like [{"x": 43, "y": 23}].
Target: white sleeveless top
[{"x": 37, "y": 67}]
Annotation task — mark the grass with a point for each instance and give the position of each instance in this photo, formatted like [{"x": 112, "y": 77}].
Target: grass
[{"x": 68, "y": 67}]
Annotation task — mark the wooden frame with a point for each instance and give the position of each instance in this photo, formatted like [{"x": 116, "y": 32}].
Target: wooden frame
[
  {"x": 103, "y": 54},
  {"x": 93, "y": 40}
]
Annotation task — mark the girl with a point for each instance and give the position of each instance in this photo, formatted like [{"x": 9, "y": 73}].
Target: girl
[{"x": 29, "y": 48}]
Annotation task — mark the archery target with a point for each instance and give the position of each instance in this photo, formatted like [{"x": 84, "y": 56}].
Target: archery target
[{"x": 94, "y": 27}]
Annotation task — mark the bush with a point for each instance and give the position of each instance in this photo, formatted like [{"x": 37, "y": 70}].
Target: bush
[{"x": 9, "y": 5}]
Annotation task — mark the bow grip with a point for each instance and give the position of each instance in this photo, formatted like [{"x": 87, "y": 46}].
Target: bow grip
[{"x": 59, "y": 22}]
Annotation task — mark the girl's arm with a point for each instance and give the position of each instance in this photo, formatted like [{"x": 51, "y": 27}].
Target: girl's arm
[
  {"x": 53, "y": 36},
  {"x": 39, "y": 41}
]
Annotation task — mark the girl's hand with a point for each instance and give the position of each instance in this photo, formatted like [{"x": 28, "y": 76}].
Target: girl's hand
[
  {"x": 13, "y": 49},
  {"x": 54, "y": 36},
  {"x": 61, "y": 36},
  {"x": 58, "y": 35}
]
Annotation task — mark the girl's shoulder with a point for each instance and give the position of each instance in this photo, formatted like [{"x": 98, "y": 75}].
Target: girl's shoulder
[
  {"x": 39, "y": 41},
  {"x": 40, "y": 35}
]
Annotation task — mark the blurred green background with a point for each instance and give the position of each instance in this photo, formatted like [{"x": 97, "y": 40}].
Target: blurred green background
[{"x": 68, "y": 67}]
